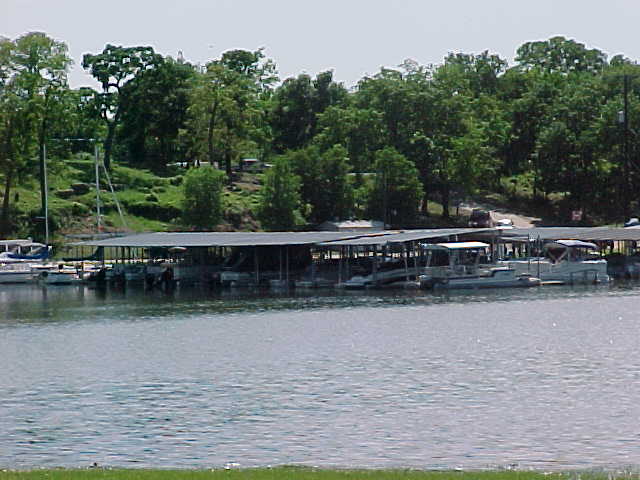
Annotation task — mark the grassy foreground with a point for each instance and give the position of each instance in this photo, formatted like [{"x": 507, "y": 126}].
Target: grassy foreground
[{"x": 295, "y": 473}]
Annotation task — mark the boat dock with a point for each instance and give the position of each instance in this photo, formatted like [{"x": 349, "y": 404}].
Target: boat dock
[{"x": 314, "y": 259}]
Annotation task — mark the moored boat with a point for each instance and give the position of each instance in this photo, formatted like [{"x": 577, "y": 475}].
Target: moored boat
[
  {"x": 564, "y": 261},
  {"x": 60, "y": 275},
  {"x": 459, "y": 265}
]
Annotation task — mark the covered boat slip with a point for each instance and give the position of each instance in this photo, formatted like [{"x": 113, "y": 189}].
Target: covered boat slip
[
  {"x": 392, "y": 259},
  {"x": 619, "y": 246},
  {"x": 314, "y": 259},
  {"x": 241, "y": 258}
]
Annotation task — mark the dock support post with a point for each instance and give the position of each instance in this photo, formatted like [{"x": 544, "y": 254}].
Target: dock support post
[
  {"x": 257, "y": 265},
  {"x": 405, "y": 251}
]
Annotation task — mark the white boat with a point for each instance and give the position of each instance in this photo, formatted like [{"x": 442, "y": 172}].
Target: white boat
[
  {"x": 57, "y": 275},
  {"x": 459, "y": 265},
  {"x": 17, "y": 258},
  {"x": 16, "y": 273},
  {"x": 22, "y": 251},
  {"x": 384, "y": 271},
  {"x": 564, "y": 261}
]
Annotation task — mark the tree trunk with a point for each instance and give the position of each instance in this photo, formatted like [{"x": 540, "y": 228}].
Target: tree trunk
[
  {"x": 5, "y": 227},
  {"x": 425, "y": 204},
  {"x": 108, "y": 144},
  {"x": 445, "y": 200},
  {"x": 227, "y": 162},
  {"x": 6, "y": 155},
  {"x": 212, "y": 124}
]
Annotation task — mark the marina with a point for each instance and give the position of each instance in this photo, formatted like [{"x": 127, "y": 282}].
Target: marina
[{"x": 356, "y": 260}]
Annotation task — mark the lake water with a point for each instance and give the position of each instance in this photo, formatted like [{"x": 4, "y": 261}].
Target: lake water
[{"x": 545, "y": 378}]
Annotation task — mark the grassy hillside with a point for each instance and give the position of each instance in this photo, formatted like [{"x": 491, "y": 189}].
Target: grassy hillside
[{"x": 148, "y": 201}]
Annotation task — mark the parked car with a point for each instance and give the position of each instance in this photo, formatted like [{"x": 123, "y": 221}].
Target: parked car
[
  {"x": 504, "y": 223},
  {"x": 480, "y": 218}
]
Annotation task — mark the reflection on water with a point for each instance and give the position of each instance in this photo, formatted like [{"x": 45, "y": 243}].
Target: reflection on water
[{"x": 541, "y": 378}]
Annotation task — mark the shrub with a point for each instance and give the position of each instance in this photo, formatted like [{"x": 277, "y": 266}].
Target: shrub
[
  {"x": 202, "y": 197},
  {"x": 155, "y": 211}
]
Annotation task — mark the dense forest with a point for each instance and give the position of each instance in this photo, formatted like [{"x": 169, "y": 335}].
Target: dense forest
[{"x": 557, "y": 126}]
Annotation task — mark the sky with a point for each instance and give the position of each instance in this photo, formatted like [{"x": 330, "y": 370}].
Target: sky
[{"x": 353, "y": 38}]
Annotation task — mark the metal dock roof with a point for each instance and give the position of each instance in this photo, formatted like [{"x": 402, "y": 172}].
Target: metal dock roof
[
  {"x": 388, "y": 237},
  {"x": 218, "y": 239},
  {"x": 239, "y": 239},
  {"x": 575, "y": 233}
]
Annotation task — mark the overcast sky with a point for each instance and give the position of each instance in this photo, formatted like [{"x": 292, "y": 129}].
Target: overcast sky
[{"x": 351, "y": 37}]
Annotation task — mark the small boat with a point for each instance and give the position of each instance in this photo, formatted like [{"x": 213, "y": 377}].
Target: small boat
[
  {"x": 458, "y": 265},
  {"x": 382, "y": 272},
  {"x": 564, "y": 261},
  {"x": 16, "y": 273},
  {"x": 62, "y": 275},
  {"x": 23, "y": 251}
]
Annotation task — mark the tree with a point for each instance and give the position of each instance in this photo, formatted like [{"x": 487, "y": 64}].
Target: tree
[
  {"x": 113, "y": 68},
  {"x": 33, "y": 72},
  {"x": 325, "y": 189},
  {"x": 359, "y": 130},
  {"x": 336, "y": 192},
  {"x": 225, "y": 107},
  {"x": 202, "y": 197},
  {"x": 481, "y": 72},
  {"x": 396, "y": 194},
  {"x": 559, "y": 54},
  {"x": 156, "y": 102},
  {"x": 296, "y": 105},
  {"x": 280, "y": 197},
  {"x": 41, "y": 64}
]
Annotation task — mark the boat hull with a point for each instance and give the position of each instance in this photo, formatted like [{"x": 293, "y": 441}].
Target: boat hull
[
  {"x": 585, "y": 272},
  {"x": 16, "y": 276},
  {"x": 496, "y": 278}
]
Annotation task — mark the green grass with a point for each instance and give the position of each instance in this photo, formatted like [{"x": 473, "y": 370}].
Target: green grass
[
  {"x": 141, "y": 194},
  {"x": 297, "y": 473}
]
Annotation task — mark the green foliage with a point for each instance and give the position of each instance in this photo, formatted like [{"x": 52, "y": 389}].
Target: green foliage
[
  {"x": 559, "y": 54},
  {"x": 226, "y": 107},
  {"x": 396, "y": 194},
  {"x": 550, "y": 121},
  {"x": 155, "y": 111},
  {"x": 280, "y": 198},
  {"x": 33, "y": 87},
  {"x": 113, "y": 68},
  {"x": 202, "y": 201},
  {"x": 296, "y": 105},
  {"x": 325, "y": 189}
]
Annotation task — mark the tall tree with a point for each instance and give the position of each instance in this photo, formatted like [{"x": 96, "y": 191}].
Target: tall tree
[
  {"x": 559, "y": 54},
  {"x": 40, "y": 66},
  {"x": 156, "y": 102},
  {"x": 296, "y": 106},
  {"x": 225, "y": 104},
  {"x": 113, "y": 68}
]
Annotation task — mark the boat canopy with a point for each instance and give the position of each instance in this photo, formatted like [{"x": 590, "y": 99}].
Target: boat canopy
[
  {"x": 573, "y": 244},
  {"x": 454, "y": 245}
]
